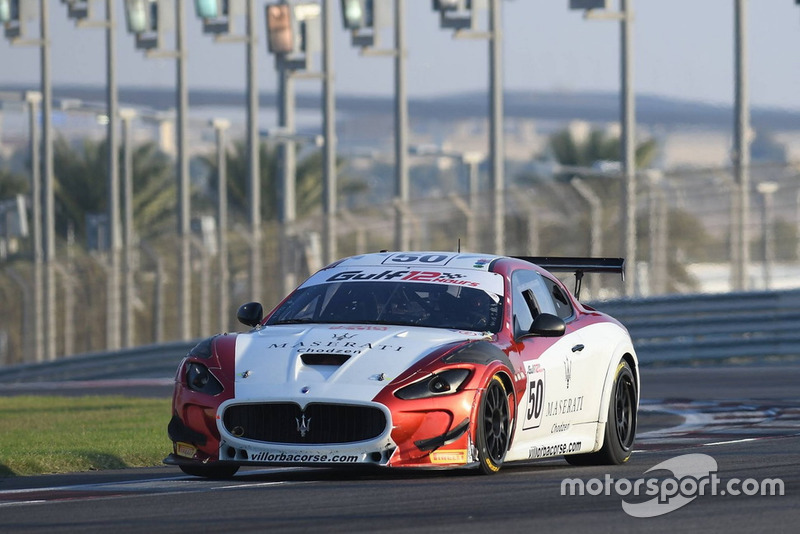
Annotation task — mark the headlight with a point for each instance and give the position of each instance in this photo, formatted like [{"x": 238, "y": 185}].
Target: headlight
[
  {"x": 200, "y": 379},
  {"x": 446, "y": 382}
]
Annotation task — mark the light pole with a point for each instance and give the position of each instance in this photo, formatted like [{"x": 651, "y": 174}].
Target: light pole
[
  {"x": 218, "y": 17},
  {"x": 496, "y": 146},
  {"x": 329, "y": 179},
  {"x": 112, "y": 133},
  {"x": 293, "y": 36},
  {"x": 462, "y": 16},
  {"x": 254, "y": 163},
  {"x": 34, "y": 98},
  {"x": 184, "y": 206},
  {"x": 658, "y": 232},
  {"x": 767, "y": 190},
  {"x": 81, "y": 11},
  {"x": 365, "y": 33},
  {"x": 15, "y": 21},
  {"x": 403, "y": 237},
  {"x": 741, "y": 150},
  {"x": 628, "y": 123},
  {"x": 128, "y": 319},
  {"x": 472, "y": 160},
  {"x": 49, "y": 179},
  {"x": 288, "y": 159},
  {"x": 220, "y": 126},
  {"x": 628, "y": 143},
  {"x": 144, "y": 20}
]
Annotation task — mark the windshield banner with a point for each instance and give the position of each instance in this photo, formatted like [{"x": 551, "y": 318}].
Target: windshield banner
[{"x": 489, "y": 282}]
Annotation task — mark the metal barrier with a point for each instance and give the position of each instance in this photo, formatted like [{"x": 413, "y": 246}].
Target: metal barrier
[
  {"x": 680, "y": 328},
  {"x": 669, "y": 329},
  {"x": 151, "y": 361}
]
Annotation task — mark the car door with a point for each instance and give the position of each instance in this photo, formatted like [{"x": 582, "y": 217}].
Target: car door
[
  {"x": 553, "y": 400},
  {"x": 586, "y": 364}
]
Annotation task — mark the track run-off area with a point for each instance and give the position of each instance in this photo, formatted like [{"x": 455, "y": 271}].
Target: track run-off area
[{"x": 724, "y": 441}]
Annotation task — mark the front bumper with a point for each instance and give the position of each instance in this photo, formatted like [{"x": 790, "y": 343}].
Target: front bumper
[
  {"x": 424, "y": 433},
  {"x": 316, "y": 433}
]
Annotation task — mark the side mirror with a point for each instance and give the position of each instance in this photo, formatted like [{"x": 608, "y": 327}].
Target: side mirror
[
  {"x": 548, "y": 325},
  {"x": 250, "y": 314}
]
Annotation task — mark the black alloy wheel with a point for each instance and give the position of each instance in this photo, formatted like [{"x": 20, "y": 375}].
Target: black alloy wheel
[
  {"x": 621, "y": 425},
  {"x": 494, "y": 426},
  {"x": 625, "y": 409}
]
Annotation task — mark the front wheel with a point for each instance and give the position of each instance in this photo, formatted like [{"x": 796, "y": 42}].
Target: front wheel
[
  {"x": 210, "y": 471},
  {"x": 621, "y": 425},
  {"x": 493, "y": 429}
]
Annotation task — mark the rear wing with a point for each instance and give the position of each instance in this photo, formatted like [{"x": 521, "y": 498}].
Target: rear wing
[{"x": 579, "y": 266}]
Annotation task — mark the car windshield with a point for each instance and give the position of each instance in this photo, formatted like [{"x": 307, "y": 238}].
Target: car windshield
[{"x": 393, "y": 303}]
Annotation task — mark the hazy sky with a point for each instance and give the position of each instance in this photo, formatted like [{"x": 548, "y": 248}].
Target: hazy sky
[{"x": 682, "y": 49}]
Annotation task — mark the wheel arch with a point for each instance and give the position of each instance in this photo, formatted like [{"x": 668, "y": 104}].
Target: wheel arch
[
  {"x": 491, "y": 362},
  {"x": 486, "y": 464},
  {"x": 634, "y": 364},
  {"x": 495, "y": 362},
  {"x": 622, "y": 352},
  {"x": 503, "y": 373}
]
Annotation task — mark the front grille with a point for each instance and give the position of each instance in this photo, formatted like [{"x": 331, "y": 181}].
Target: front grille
[{"x": 285, "y": 422}]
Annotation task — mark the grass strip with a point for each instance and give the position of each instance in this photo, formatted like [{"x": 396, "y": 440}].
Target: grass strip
[{"x": 51, "y": 434}]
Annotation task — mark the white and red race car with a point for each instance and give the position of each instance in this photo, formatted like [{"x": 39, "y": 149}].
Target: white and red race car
[{"x": 413, "y": 359}]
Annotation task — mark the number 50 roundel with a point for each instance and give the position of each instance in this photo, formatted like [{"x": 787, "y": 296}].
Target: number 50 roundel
[{"x": 535, "y": 397}]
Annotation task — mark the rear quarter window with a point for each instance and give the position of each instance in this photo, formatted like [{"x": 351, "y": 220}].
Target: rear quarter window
[{"x": 561, "y": 301}]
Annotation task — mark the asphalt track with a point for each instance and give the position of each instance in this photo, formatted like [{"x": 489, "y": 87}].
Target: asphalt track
[{"x": 747, "y": 418}]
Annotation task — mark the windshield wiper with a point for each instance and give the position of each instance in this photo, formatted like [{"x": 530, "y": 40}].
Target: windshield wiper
[{"x": 297, "y": 321}]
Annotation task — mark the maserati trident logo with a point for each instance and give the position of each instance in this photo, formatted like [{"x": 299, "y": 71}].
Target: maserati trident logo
[
  {"x": 567, "y": 370},
  {"x": 303, "y": 425},
  {"x": 342, "y": 337}
]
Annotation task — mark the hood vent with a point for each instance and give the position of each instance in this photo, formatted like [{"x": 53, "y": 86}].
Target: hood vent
[{"x": 324, "y": 359}]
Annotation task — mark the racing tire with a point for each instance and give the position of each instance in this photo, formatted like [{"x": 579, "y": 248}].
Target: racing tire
[
  {"x": 621, "y": 425},
  {"x": 494, "y": 427},
  {"x": 210, "y": 471}
]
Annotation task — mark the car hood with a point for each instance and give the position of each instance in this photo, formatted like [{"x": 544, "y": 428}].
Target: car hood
[{"x": 287, "y": 362}]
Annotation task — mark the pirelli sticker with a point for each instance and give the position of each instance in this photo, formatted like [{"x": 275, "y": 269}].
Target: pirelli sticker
[
  {"x": 184, "y": 449},
  {"x": 449, "y": 457}
]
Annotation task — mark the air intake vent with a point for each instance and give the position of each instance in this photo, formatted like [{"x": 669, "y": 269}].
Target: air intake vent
[{"x": 324, "y": 359}]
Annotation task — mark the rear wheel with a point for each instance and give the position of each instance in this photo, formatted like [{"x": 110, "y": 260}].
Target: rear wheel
[
  {"x": 210, "y": 471},
  {"x": 493, "y": 427},
  {"x": 621, "y": 426}
]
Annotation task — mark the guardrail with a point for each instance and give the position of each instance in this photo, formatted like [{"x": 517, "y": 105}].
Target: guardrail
[
  {"x": 669, "y": 329},
  {"x": 680, "y": 328},
  {"x": 150, "y": 361}
]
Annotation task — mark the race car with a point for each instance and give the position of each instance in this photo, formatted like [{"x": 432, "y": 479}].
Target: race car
[{"x": 413, "y": 360}]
